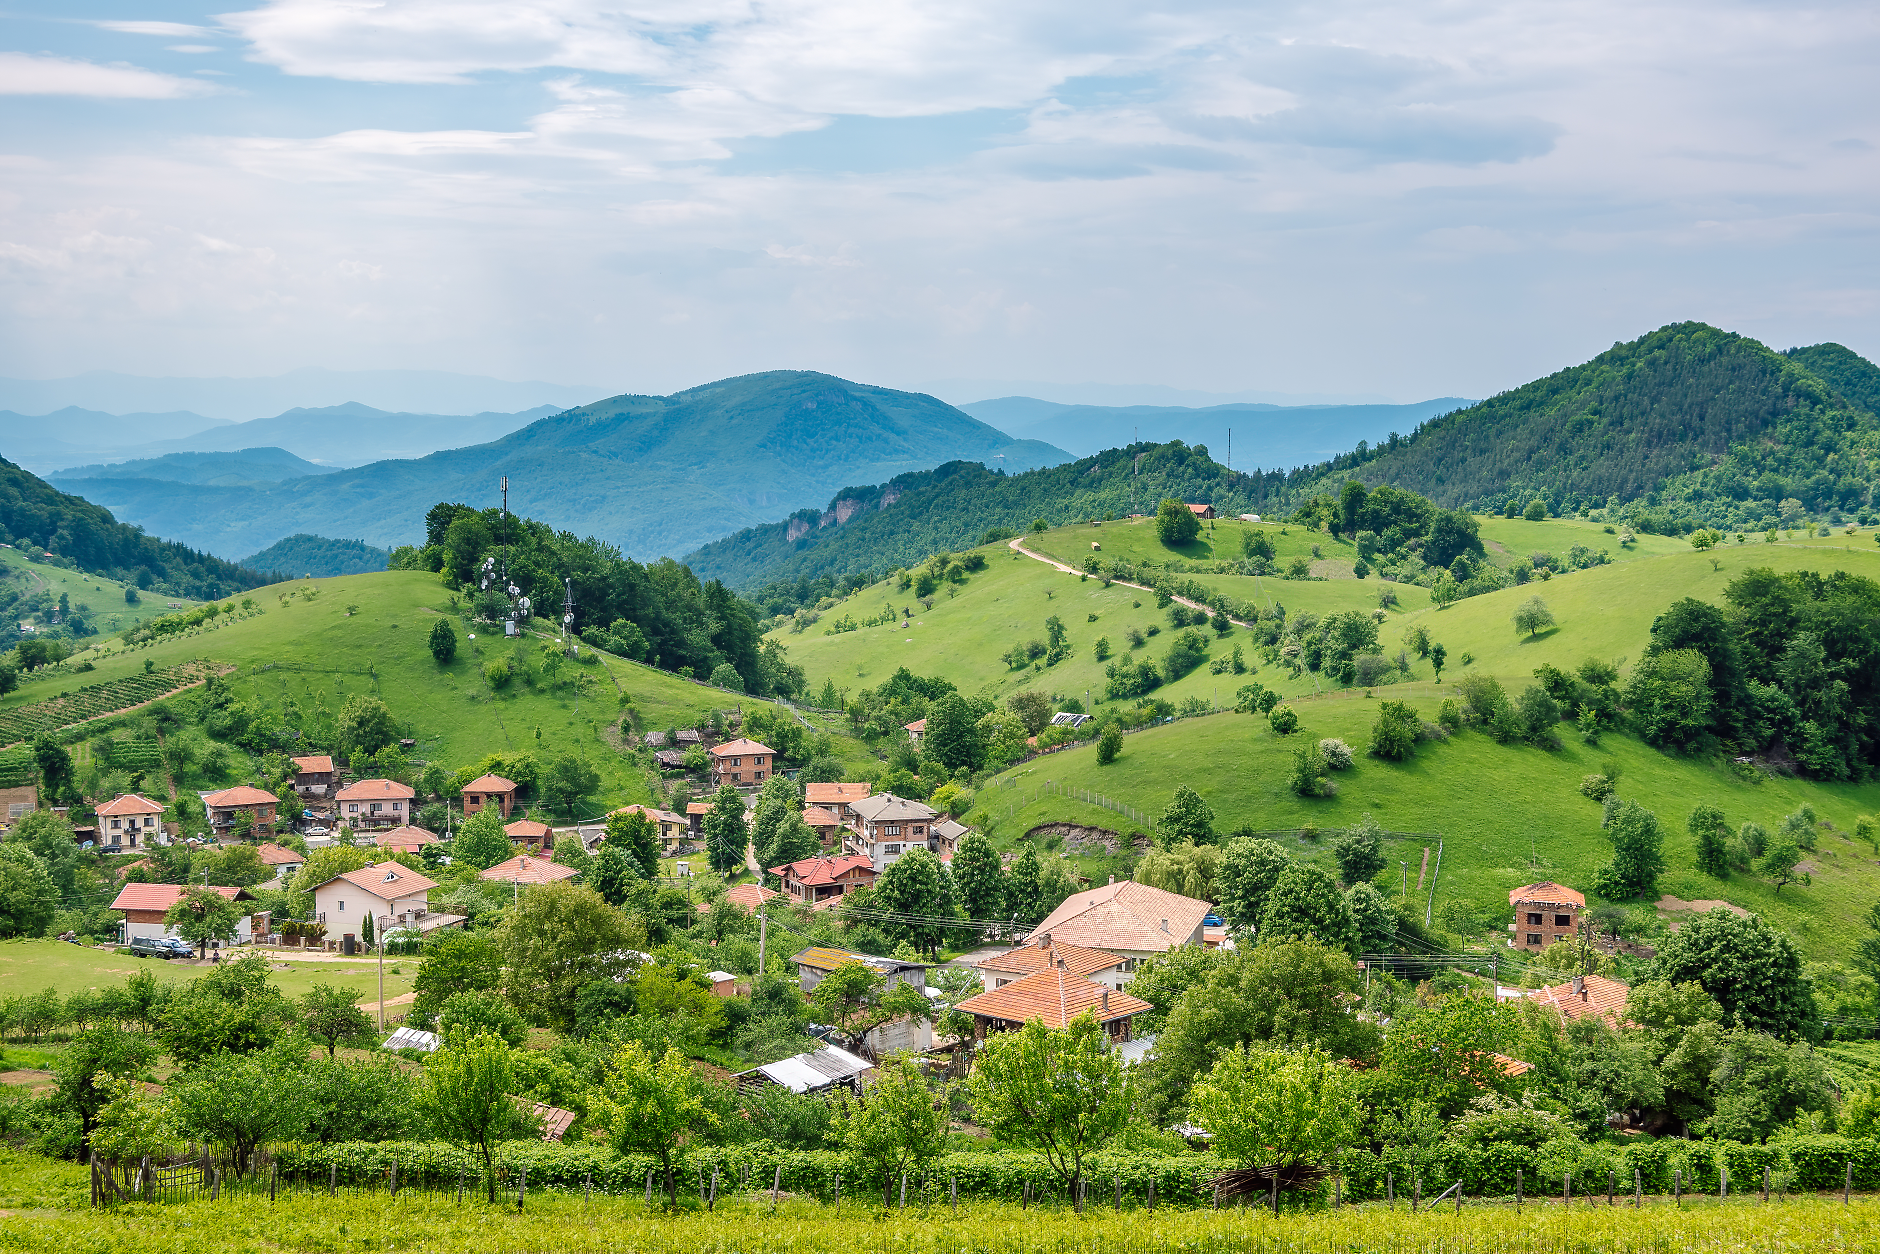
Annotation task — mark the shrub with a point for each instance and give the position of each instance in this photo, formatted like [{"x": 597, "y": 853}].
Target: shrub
[
  {"x": 497, "y": 673},
  {"x": 1596, "y": 787},
  {"x": 1283, "y": 719},
  {"x": 1337, "y": 753}
]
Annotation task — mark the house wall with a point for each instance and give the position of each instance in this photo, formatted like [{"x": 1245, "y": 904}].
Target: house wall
[
  {"x": 1553, "y": 923},
  {"x": 741, "y": 769},
  {"x": 359, "y": 904},
  {"x": 390, "y": 813},
  {"x": 474, "y": 801},
  {"x": 149, "y": 925},
  {"x": 127, "y": 831}
]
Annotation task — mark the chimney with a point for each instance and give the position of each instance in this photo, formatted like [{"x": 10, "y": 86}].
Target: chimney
[
  {"x": 1105, "y": 998},
  {"x": 1579, "y": 986},
  {"x": 1044, "y": 940},
  {"x": 1112, "y": 879}
]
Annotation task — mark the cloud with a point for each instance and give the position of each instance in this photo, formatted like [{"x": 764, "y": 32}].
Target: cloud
[
  {"x": 23, "y": 74},
  {"x": 167, "y": 30}
]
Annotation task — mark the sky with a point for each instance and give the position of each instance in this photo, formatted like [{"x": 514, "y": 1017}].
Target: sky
[{"x": 1348, "y": 198}]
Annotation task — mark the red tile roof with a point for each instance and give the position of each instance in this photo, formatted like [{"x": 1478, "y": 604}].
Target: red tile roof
[
  {"x": 1056, "y": 997},
  {"x": 739, "y": 748},
  {"x": 750, "y": 896},
  {"x": 386, "y": 880},
  {"x": 1127, "y": 915},
  {"x": 1601, "y": 997},
  {"x": 240, "y": 795},
  {"x": 318, "y": 764},
  {"x": 816, "y": 816},
  {"x": 698, "y": 807},
  {"x": 490, "y": 783},
  {"x": 130, "y": 803},
  {"x": 1029, "y": 958},
  {"x": 406, "y": 837},
  {"x": 523, "y": 829},
  {"x": 528, "y": 868},
  {"x": 835, "y": 794},
  {"x": 163, "y": 896},
  {"x": 276, "y": 855},
  {"x": 824, "y": 870},
  {"x": 918, "y": 726},
  {"x": 375, "y": 790},
  {"x": 1545, "y": 893},
  {"x": 657, "y": 815}
]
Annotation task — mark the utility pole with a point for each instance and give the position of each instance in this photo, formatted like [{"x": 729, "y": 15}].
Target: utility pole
[
  {"x": 381, "y": 940},
  {"x": 763, "y": 927}
]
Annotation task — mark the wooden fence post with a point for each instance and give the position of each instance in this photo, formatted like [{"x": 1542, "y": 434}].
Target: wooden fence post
[
  {"x": 587, "y": 1190},
  {"x": 776, "y": 1185},
  {"x": 332, "y": 1179},
  {"x": 1638, "y": 1188},
  {"x": 522, "y": 1186},
  {"x": 838, "y": 1193},
  {"x": 394, "y": 1179},
  {"x": 274, "y": 1179},
  {"x": 1390, "y": 1191},
  {"x": 1612, "y": 1184},
  {"x": 1566, "y": 1189},
  {"x": 1677, "y": 1187},
  {"x": 649, "y": 1186},
  {"x": 1151, "y": 1192},
  {"x": 460, "y": 1186},
  {"x": 1517, "y": 1190},
  {"x": 1765, "y": 1186},
  {"x": 953, "y": 1193},
  {"x": 1847, "y": 1184}
]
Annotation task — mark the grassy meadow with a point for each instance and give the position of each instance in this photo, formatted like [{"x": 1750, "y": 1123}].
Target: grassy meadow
[
  {"x": 26, "y": 966},
  {"x": 110, "y": 612},
  {"x": 45, "y": 1210}
]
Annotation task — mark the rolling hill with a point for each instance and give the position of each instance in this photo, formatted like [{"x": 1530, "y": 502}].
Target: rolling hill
[
  {"x": 238, "y": 469},
  {"x": 316, "y": 557},
  {"x": 1281, "y": 436},
  {"x": 653, "y": 474},
  {"x": 1712, "y": 427}
]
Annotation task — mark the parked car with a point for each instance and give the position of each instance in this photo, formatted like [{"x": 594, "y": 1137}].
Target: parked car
[{"x": 161, "y": 947}]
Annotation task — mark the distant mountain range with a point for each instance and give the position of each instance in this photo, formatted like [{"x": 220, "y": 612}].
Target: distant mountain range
[
  {"x": 242, "y": 467},
  {"x": 1268, "y": 436},
  {"x": 656, "y": 475},
  {"x": 242, "y": 400}
]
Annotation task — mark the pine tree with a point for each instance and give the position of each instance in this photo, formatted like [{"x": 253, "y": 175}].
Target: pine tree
[{"x": 726, "y": 836}]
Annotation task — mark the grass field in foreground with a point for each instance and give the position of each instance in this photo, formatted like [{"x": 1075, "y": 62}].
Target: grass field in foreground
[
  {"x": 45, "y": 1211},
  {"x": 26, "y": 966}
]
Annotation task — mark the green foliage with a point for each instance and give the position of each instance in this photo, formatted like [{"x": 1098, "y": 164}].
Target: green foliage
[
  {"x": 28, "y": 895},
  {"x": 634, "y": 837},
  {"x": 454, "y": 962},
  {"x": 1308, "y": 774},
  {"x": 1283, "y": 720},
  {"x": 1249, "y": 869},
  {"x": 916, "y": 885},
  {"x": 559, "y": 938},
  {"x": 1109, "y": 744},
  {"x": 1752, "y": 971},
  {"x": 1278, "y": 1108},
  {"x": 333, "y": 1018},
  {"x": 1637, "y": 853},
  {"x": 465, "y": 1095},
  {"x": 317, "y": 557},
  {"x": 202, "y": 915},
  {"x": 979, "y": 876},
  {"x": 1186, "y": 818},
  {"x": 1060, "y": 1090},
  {"x": 1710, "y": 834},
  {"x": 1360, "y": 851},
  {"x": 1176, "y": 524},
  {"x": 365, "y": 725},
  {"x": 443, "y": 641},
  {"x": 1532, "y": 616},
  {"x": 1394, "y": 735},
  {"x": 726, "y": 836},
  {"x": 478, "y": 1013},
  {"x": 895, "y": 1129},
  {"x": 239, "y": 1102},
  {"x": 1305, "y": 902},
  {"x": 481, "y": 842}
]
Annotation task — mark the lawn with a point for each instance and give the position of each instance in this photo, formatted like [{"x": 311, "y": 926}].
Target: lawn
[
  {"x": 1506, "y": 539},
  {"x": 26, "y": 966}
]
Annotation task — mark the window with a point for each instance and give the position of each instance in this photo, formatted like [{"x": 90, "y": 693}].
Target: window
[
  {"x": 759, "y": 775},
  {"x": 149, "y": 822},
  {"x": 1534, "y": 920},
  {"x": 920, "y": 831},
  {"x": 352, "y": 807},
  {"x": 342, "y": 907},
  {"x": 891, "y": 830},
  {"x": 1563, "y": 920},
  {"x": 116, "y": 823},
  {"x": 1534, "y": 938},
  {"x": 890, "y": 849},
  {"x": 375, "y": 807}
]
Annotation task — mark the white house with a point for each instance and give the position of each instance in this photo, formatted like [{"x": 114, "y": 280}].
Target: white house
[
  {"x": 384, "y": 892},
  {"x": 144, "y": 906}
]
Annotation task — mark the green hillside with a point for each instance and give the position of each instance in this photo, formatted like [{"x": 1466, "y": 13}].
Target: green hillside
[
  {"x": 1695, "y": 424},
  {"x": 652, "y": 475}
]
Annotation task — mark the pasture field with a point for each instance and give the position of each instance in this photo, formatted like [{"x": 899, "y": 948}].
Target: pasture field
[
  {"x": 26, "y": 966},
  {"x": 110, "y": 612},
  {"x": 45, "y": 1210}
]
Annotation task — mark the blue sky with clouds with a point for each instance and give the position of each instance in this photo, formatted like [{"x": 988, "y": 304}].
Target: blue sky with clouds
[{"x": 1397, "y": 199}]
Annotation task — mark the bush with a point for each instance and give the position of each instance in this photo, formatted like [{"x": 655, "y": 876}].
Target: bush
[
  {"x": 497, "y": 673},
  {"x": 1283, "y": 719},
  {"x": 725, "y": 675},
  {"x": 1337, "y": 754},
  {"x": 1109, "y": 744},
  {"x": 1596, "y": 787}
]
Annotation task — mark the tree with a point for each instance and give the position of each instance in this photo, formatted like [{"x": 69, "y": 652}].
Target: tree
[
  {"x": 132, "y": 1123},
  {"x": 1669, "y": 696},
  {"x": 1109, "y": 744},
  {"x": 1532, "y": 615},
  {"x": 1438, "y": 656},
  {"x": 55, "y": 768},
  {"x": 896, "y": 1127},
  {"x": 1395, "y": 733},
  {"x": 1283, "y": 720},
  {"x": 365, "y": 725},
  {"x": 1752, "y": 970},
  {"x": 481, "y": 842},
  {"x": 558, "y": 938},
  {"x": 1536, "y": 510},
  {"x": 232, "y": 866},
  {"x": 1249, "y": 869},
  {"x": 654, "y": 1106},
  {"x": 333, "y": 1018},
  {"x": 1033, "y": 709},
  {"x": 1309, "y": 767},
  {"x": 1637, "y": 853},
  {"x": 777, "y": 800},
  {"x": 1360, "y": 851},
  {"x": 1061, "y": 1090},
  {"x": 726, "y": 837},
  {"x": 1305, "y": 901},
  {"x": 1186, "y": 818},
  {"x": 240, "y": 1102},
  {"x": 1371, "y": 915},
  {"x": 28, "y": 896},
  {"x": 979, "y": 875},
  {"x": 1024, "y": 887},
  {"x": 725, "y": 675},
  {"x": 455, "y": 962},
  {"x": 201, "y": 915},
  {"x": 1176, "y": 524},
  {"x": 467, "y": 1095},
  {"x": 1711, "y": 835},
  {"x": 913, "y": 887},
  {"x": 472, "y": 1013},
  {"x": 568, "y": 778},
  {"x": 1779, "y": 861},
  {"x": 858, "y": 999},
  {"x": 83, "y": 1069},
  {"x": 613, "y": 875},
  {"x": 233, "y": 1009},
  {"x": 634, "y": 838},
  {"x": 953, "y": 734},
  {"x": 1278, "y": 1108},
  {"x": 443, "y": 641}
]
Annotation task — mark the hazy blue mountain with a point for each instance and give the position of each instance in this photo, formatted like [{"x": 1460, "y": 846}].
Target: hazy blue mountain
[
  {"x": 656, "y": 475},
  {"x": 43, "y": 442},
  {"x": 242, "y": 400},
  {"x": 316, "y": 557},
  {"x": 967, "y": 391},
  {"x": 350, "y": 434},
  {"x": 245, "y": 466},
  {"x": 1264, "y": 436}
]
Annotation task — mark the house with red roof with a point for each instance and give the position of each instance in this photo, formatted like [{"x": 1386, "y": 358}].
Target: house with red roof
[
  {"x": 1586, "y": 996},
  {"x": 314, "y": 777},
  {"x": 489, "y": 790},
  {"x": 284, "y": 862},
  {"x": 1054, "y": 996},
  {"x": 144, "y": 906},
  {"x": 821, "y": 882},
  {"x": 226, "y": 807},
  {"x": 406, "y": 839},
  {"x": 827, "y": 824},
  {"x": 386, "y": 892},
  {"x": 838, "y": 799},
  {"x": 673, "y": 828},
  {"x": 1042, "y": 954},
  {"x": 527, "y": 868},
  {"x": 1543, "y": 913},
  {"x": 742, "y": 763},
  {"x": 129, "y": 821},
  {"x": 375, "y": 803},
  {"x": 1128, "y": 919}
]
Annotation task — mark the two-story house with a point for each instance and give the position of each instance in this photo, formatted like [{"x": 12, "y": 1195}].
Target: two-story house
[
  {"x": 229, "y": 805},
  {"x": 489, "y": 790},
  {"x": 673, "y": 828},
  {"x": 314, "y": 777},
  {"x": 741, "y": 763},
  {"x": 375, "y": 803},
  {"x": 129, "y": 822},
  {"x": 1543, "y": 913},
  {"x": 821, "y": 882},
  {"x": 838, "y": 799},
  {"x": 887, "y": 826},
  {"x": 385, "y": 892},
  {"x": 1041, "y": 954},
  {"x": 1133, "y": 921}
]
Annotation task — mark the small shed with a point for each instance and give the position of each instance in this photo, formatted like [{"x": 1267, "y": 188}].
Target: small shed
[{"x": 814, "y": 1072}]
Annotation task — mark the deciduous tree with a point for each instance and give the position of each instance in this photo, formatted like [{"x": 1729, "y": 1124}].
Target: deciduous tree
[
  {"x": 1176, "y": 524},
  {"x": 559, "y": 938},
  {"x": 1061, "y": 1090},
  {"x": 1186, "y": 818},
  {"x": 1752, "y": 970},
  {"x": 481, "y": 842},
  {"x": 1305, "y": 901},
  {"x": 467, "y": 1095},
  {"x": 1711, "y": 835},
  {"x": 1278, "y": 1108},
  {"x": 979, "y": 875},
  {"x": 726, "y": 837},
  {"x": 332, "y": 1017},
  {"x": 1637, "y": 853},
  {"x": 896, "y": 1127}
]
